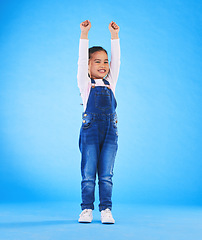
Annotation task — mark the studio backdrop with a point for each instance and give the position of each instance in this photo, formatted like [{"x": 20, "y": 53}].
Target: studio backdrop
[{"x": 159, "y": 95}]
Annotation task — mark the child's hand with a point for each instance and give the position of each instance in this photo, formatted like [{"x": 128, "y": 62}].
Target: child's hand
[
  {"x": 85, "y": 26},
  {"x": 114, "y": 29}
]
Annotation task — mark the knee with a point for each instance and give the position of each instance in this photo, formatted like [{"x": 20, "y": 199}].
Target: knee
[
  {"x": 88, "y": 177},
  {"x": 105, "y": 179},
  {"x": 88, "y": 183}
]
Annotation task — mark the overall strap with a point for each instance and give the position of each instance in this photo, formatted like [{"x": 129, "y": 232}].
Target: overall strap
[
  {"x": 92, "y": 82},
  {"x": 107, "y": 84},
  {"x": 104, "y": 80}
]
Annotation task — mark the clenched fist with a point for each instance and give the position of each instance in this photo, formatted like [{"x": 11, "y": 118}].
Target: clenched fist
[
  {"x": 85, "y": 26},
  {"x": 114, "y": 29}
]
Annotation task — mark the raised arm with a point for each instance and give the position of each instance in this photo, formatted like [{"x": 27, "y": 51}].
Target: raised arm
[
  {"x": 115, "y": 54},
  {"x": 82, "y": 74},
  {"x": 85, "y": 27}
]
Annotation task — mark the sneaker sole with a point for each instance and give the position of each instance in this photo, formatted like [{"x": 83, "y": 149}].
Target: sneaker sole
[
  {"x": 83, "y": 222},
  {"x": 107, "y": 222},
  {"x": 80, "y": 221}
]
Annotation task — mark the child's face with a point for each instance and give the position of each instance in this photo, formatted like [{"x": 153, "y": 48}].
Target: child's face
[{"x": 98, "y": 65}]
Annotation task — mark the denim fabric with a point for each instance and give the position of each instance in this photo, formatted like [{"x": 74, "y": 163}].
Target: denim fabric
[{"x": 98, "y": 143}]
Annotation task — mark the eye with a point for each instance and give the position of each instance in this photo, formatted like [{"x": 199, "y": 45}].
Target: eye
[{"x": 97, "y": 61}]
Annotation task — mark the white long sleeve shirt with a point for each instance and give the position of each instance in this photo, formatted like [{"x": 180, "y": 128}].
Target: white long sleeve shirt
[{"x": 84, "y": 82}]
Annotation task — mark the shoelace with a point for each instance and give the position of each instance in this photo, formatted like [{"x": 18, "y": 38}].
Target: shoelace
[
  {"x": 84, "y": 212},
  {"x": 108, "y": 213}
]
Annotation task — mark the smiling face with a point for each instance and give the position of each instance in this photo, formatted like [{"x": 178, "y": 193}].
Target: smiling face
[{"x": 98, "y": 65}]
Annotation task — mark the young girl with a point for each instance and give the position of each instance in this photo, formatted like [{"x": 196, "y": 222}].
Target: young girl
[{"x": 98, "y": 133}]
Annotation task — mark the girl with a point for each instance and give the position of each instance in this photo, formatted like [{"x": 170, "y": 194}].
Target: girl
[{"x": 98, "y": 133}]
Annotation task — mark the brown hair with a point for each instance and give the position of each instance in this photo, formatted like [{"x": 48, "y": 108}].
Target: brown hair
[{"x": 95, "y": 49}]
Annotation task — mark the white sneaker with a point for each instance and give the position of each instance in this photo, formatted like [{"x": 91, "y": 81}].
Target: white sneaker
[
  {"x": 86, "y": 216},
  {"x": 106, "y": 216}
]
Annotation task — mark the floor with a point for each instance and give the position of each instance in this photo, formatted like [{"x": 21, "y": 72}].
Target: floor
[{"x": 58, "y": 221}]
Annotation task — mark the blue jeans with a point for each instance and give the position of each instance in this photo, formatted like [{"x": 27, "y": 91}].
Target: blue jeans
[{"x": 98, "y": 146}]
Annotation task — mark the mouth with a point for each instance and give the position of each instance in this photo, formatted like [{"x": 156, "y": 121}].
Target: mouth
[{"x": 102, "y": 71}]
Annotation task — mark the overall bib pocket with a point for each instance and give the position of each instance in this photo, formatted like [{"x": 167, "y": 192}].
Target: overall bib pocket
[{"x": 103, "y": 100}]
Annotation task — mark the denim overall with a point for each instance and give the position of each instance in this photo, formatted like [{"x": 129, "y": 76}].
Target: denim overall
[{"x": 98, "y": 145}]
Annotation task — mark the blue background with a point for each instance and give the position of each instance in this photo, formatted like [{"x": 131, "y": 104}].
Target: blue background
[{"x": 159, "y": 94}]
